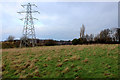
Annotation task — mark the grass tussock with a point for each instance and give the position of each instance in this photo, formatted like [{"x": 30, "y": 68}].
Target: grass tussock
[
  {"x": 75, "y": 57},
  {"x": 59, "y": 64},
  {"x": 66, "y": 70},
  {"x": 85, "y": 60}
]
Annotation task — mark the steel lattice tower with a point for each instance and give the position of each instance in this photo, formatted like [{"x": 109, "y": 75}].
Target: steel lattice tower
[{"x": 29, "y": 38}]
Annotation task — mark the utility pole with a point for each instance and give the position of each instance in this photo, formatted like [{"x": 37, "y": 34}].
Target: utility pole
[{"x": 29, "y": 38}]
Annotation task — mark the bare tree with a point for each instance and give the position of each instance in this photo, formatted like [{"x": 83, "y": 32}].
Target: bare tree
[
  {"x": 105, "y": 35},
  {"x": 87, "y": 37},
  {"x": 97, "y": 37},
  {"x": 10, "y": 38},
  {"x": 91, "y": 37},
  {"x": 113, "y": 32},
  {"x": 117, "y": 34},
  {"x": 24, "y": 38},
  {"x": 82, "y": 31}
]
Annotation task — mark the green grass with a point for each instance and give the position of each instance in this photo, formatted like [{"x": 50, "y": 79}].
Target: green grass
[{"x": 70, "y": 61}]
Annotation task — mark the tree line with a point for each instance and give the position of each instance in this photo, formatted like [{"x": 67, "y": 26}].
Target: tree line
[
  {"x": 12, "y": 43},
  {"x": 106, "y": 36}
]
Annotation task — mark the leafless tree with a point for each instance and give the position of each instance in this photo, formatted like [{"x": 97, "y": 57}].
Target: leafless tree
[
  {"x": 117, "y": 34},
  {"x": 87, "y": 37},
  {"x": 10, "y": 38},
  {"x": 91, "y": 37},
  {"x": 24, "y": 38},
  {"x": 82, "y": 31},
  {"x": 97, "y": 37},
  {"x": 105, "y": 35}
]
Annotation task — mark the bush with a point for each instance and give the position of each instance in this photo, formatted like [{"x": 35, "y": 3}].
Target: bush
[
  {"x": 10, "y": 45},
  {"x": 82, "y": 40},
  {"x": 50, "y": 43},
  {"x": 7, "y": 45},
  {"x": 75, "y": 41}
]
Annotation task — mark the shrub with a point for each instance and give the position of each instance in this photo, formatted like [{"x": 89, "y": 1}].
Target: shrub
[
  {"x": 75, "y": 41},
  {"x": 50, "y": 43}
]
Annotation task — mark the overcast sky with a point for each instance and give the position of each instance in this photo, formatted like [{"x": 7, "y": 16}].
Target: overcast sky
[{"x": 60, "y": 20}]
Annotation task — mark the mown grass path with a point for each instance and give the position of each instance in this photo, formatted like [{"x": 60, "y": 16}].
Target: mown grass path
[{"x": 67, "y": 61}]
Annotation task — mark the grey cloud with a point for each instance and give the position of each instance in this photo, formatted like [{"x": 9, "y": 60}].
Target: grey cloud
[{"x": 63, "y": 20}]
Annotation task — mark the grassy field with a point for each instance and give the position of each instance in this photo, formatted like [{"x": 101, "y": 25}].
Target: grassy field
[{"x": 67, "y": 61}]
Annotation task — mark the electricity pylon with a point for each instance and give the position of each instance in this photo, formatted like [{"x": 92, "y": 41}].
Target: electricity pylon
[{"x": 29, "y": 38}]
